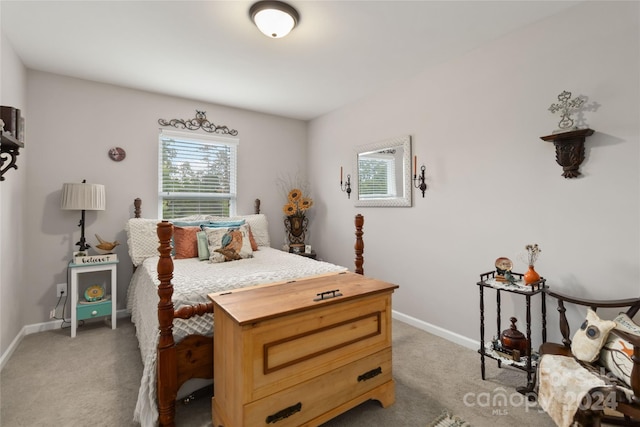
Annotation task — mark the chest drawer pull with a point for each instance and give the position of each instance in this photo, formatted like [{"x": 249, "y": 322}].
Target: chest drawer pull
[
  {"x": 328, "y": 294},
  {"x": 285, "y": 413},
  {"x": 368, "y": 375}
]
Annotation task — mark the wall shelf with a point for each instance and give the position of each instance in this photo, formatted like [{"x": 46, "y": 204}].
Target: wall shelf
[
  {"x": 9, "y": 151},
  {"x": 569, "y": 149}
]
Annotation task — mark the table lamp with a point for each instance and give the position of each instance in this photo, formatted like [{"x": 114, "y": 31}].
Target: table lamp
[{"x": 83, "y": 197}]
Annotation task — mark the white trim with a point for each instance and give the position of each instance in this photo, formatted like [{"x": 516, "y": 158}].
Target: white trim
[
  {"x": 436, "y": 330},
  {"x": 36, "y": 328},
  {"x": 428, "y": 327}
]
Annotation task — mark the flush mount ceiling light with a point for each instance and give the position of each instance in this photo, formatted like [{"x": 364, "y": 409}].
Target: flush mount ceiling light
[{"x": 274, "y": 18}]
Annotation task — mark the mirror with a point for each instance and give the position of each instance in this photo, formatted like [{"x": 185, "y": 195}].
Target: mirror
[{"x": 384, "y": 173}]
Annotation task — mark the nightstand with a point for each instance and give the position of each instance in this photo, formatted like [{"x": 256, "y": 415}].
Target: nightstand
[
  {"x": 81, "y": 309},
  {"x": 311, "y": 254}
]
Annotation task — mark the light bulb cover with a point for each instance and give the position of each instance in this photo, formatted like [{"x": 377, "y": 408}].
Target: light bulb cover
[{"x": 275, "y": 19}]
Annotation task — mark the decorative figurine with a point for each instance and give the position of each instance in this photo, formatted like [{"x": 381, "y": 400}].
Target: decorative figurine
[
  {"x": 105, "y": 246},
  {"x": 503, "y": 265}
]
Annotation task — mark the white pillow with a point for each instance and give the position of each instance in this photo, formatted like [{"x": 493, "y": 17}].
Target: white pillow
[
  {"x": 142, "y": 239},
  {"x": 589, "y": 339},
  {"x": 257, "y": 222}
]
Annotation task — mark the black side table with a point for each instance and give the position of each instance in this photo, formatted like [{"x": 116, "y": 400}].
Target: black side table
[{"x": 529, "y": 362}]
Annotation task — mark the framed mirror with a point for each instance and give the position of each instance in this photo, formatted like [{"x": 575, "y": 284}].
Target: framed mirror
[{"x": 384, "y": 173}]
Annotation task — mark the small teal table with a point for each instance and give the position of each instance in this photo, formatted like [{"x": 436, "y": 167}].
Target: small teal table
[{"x": 94, "y": 309}]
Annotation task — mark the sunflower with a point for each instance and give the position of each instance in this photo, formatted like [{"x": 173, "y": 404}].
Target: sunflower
[
  {"x": 289, "y": 209},
  {"x": 295, "y": 195},
  {"x": 305, "y": 203},
  {"x": 296, "y": 203}
]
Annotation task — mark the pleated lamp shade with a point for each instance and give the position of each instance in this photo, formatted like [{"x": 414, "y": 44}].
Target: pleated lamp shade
[{"x": 83, "y": 196}]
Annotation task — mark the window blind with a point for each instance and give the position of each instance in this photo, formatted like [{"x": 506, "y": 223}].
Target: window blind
[
  {"x": 197, "y": 175},
  {"x": 376, "y": 178}
]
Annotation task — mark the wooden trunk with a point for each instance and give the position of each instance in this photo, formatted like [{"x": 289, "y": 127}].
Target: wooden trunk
[{"x": 282, "y": 355}]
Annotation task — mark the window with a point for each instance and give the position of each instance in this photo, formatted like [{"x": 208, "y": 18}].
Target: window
[
  {"x": 197, "y": 175},
  {"x": 376, "y": 177}
]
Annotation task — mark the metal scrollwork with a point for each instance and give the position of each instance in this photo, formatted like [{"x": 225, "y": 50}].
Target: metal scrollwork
[
  {"x": 8, "y": 155},
  {"x": 566, "y": 106},
  {"x": 198, "y": 122}
]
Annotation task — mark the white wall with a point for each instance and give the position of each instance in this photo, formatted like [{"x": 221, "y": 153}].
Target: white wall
[
  {"x": 72, "y": 125},
  {"x": 476, "y": 123},
  {"x": 12, "y": 205},
  {"x": 494, "y": 185}
]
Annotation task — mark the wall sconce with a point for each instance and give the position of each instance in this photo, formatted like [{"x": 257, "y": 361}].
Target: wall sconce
[
  {"x": 347, "y": 185},
  {"x": 418, "y": 180}
]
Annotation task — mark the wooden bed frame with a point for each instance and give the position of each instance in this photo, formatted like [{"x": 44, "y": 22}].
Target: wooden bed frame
[{"x": 193, "y": 356}]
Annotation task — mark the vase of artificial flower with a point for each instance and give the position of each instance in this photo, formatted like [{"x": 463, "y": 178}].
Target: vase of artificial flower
[
  {"x": 531, "y": 256},
  {"x": 296, "y": 221}
]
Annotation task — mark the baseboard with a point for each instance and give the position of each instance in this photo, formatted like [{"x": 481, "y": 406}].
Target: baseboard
[
  {"x": 436, "y": 330},
  {"x": 427, "y": 327},
  {"x": 34, "y": 329}
]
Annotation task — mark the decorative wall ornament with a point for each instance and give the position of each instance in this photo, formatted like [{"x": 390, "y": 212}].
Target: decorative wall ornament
[
  {"x": 566, "y": 106},
  {"x": 569, "y": 138},
  {"x": 198, "y": 122}
]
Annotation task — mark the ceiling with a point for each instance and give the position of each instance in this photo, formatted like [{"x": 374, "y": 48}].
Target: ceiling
[{"x": 210, "y": 51}]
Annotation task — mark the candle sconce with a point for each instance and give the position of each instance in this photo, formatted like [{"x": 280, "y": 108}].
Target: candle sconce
[
  {"x": 418, "y": 180},
  {"x": 347, "y": 185}
]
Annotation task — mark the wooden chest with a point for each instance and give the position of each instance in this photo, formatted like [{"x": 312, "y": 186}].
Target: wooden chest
[{"x": 284, "y": 356}]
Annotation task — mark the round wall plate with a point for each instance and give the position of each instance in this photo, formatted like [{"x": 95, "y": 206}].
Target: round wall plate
[{"x": 117, "y": 154}]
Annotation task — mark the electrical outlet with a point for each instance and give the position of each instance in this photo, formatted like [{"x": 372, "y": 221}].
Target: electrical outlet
[{"x": 61, "y": 289}]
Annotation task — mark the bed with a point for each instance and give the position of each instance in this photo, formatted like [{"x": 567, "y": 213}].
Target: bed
[{"x": 167, "y": 299}]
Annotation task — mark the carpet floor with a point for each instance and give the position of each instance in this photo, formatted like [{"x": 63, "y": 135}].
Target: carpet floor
[{"x": 93, "y": 380}]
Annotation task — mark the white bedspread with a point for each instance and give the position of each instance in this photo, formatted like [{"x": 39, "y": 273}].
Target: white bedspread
[{"x": 193, "y": 280}]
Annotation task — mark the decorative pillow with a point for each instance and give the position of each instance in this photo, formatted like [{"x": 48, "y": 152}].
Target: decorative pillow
[
  {"x": 203, "y": 246},
  {"x": 590, "y": 338},
  {"x": 223, "y": 224},
  {"x": 257, "y": 222},
  {"x": 235, "y": 223},
  {"x": 616, "y": 352},
  {"x": 185, "y": 242},
  {"x": 616, "y": 357},
  {"x": 254, "y": 245},
  {"x": 142, "y": 239},
  {"x": 624, "y": 323},
  {"x": 229, "y": 244},
  {"x": 190, "y": 218}
]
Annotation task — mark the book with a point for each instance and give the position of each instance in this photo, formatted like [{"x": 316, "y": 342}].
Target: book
[{"x": 95, "y": 259}]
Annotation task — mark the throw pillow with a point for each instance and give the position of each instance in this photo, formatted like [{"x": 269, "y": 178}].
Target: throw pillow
[
  {"x": 254, "y": 245},
  {"x": 616, "y": 357},
  {"x": 228, "y": 244},
  {"x": 616, "y": 352},
  {"x": 185, "y": 242},
  {"x": 257, "y": 222},
  {"x": 590, "y": 338},
  {"x": 203, "y": 246}
]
